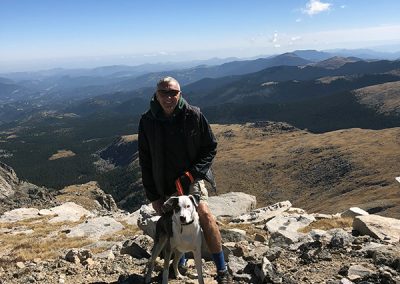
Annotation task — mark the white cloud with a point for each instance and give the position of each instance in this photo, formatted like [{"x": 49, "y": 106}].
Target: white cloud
[
  {"x": 316, "y": 6},
  {"x": 275, "y": 38}
]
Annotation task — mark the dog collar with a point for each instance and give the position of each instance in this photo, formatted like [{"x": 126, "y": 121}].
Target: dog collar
[{"x": 191, "y": 222}]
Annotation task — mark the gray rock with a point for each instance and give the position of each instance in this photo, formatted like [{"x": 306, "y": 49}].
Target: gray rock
[
  {"x": 69, "y": 212},
  {"x": 8, "y": 181},
  {"x": 231, "y": 204},
  {"x": 389, "y": 256},
  {"x": 340, "y": 239},
  {"x": 237, "y": 264},
  {"x": 359, "y": 271},
  {"x": 353, "y": 212},
  {"x": 78, "y": 256},
  {"x": 284, "y": 228},
  {"x": 19, "y": 215},
  {"x": 96, "y": 227},
  {"x": 147, "y": 220},
  {"x": 261, "y": 215},
  {"x": 267, "y": 273},
  {"x": 233, "y": 235},
  {"x": 138, "y": 247},
  {"x": 383, "y": 228}
]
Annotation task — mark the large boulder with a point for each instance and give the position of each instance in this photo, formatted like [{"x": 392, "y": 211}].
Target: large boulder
[
  {"x": 383, "y": 228},
  {"x": 262, "y": 215},
  {"x": 353, "y": 212},
  {"x": 8, "y": 181},
  {"x": 95, "y": 228},
  {"x": 231, "y": 204}
]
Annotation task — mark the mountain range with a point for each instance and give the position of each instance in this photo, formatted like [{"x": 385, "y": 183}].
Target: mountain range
[{"x": 316, "y": 94}]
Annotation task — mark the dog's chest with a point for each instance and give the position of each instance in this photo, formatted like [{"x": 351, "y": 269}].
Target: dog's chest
[{"x": 186, "y": 238}]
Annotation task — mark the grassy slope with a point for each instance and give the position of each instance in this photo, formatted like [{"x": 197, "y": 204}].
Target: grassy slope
[{"x": 326, "y": 172}]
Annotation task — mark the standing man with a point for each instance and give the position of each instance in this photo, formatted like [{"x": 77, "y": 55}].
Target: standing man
[{"x": 176, "y": 150}]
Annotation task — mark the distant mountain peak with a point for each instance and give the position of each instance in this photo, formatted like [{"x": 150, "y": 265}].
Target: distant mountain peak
[{"x": 336, "y": 62}]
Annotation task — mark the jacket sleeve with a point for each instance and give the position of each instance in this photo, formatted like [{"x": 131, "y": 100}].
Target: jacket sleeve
[
  {"x": 146, "y": 165},
  {"x": 207, "y": 151}
]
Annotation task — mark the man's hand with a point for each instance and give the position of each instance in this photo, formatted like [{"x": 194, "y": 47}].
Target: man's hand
[
  {"x": 157, "y": 206},
  {"x": 183, "y": 183}
]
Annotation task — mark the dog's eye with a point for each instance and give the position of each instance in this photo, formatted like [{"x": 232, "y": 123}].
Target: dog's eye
[{"x": 187, "y": 206}]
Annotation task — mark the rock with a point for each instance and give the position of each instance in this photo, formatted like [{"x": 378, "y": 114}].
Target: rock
[
  {"x": 267, "y": 273},
  {"x": 273, "y": 253},
  {"x": 69, "y": 212},
  {"x": 353, "y": 212},
  {"x": 261, "y": 215},
  {"x": 233, "y": 235},
  {"x": 358, "y": 271},
  {"x": 255, "y": 251},
  {"x": 383, "y": 228},
  {"x": 147, "y": 220},
  {"x": 20, "y": 265},
  {"x": 292, "y": 222},
  {"x": 108, "y": 254},
  {"x": 389, "y": 256},
  {"x": 89, "y": 263},
  {"x": 340, "y": 239},
  {"x": 260, "y": 238},
  {"x": 8, "y": 181},
  {"x": 237, "y": 264},
  {"x": 132, "y": 219},
  {"x": 345, "y": 281},
  {"x": 95, "y": 228},
  {"x": 78, "y": 256},
  {"x": 320, "y": 216},
  {"x": 284, "y": 228},
  {"x": 231, "y": 204},
  {"x": 19, "y": 215},
  {"x": 139, "y": 247}
]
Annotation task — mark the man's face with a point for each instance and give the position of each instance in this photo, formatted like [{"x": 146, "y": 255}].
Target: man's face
[{"x": 169, "y": 98}]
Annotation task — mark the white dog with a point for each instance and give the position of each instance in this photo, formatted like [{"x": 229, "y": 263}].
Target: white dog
[{"x": 178, "y": 231}]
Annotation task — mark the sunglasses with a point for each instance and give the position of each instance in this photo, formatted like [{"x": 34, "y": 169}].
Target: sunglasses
[{"x": 169, "y": 93}]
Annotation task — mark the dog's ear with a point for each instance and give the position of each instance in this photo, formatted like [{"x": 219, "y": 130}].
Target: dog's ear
[
  {"x": 195, "y": 199},
  {"x": 170, "y": 204}
]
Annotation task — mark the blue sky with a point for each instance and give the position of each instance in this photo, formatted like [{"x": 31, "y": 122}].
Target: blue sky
[{"x": 50, "y": 33}]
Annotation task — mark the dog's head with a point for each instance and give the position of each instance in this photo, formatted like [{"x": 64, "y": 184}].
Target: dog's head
[{"x": 183, "y": 207}]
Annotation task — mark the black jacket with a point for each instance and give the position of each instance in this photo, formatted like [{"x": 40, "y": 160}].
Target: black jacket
[{"x": 201, "y": 146}]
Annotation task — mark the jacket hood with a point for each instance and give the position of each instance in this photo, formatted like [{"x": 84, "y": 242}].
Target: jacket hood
[{"x": 157, "y": 111}]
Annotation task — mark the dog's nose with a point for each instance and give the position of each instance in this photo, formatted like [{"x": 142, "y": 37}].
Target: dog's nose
[{"x": 183, "y": 219}]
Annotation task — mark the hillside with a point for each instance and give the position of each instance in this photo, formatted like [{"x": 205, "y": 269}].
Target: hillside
[{"x": 319, "y": 172}]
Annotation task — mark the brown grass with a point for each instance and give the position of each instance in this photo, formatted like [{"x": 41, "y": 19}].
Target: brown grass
[
  {"x": 310, "y": 169},
  {"x": 327, "y": 224},
  {"x": 62, "y": 154},
  {"x": 128, "y": 231},
  {"x": 37, "y": 244}
]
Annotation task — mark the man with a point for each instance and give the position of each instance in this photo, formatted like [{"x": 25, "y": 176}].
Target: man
[{"x": 176, "y": 150}]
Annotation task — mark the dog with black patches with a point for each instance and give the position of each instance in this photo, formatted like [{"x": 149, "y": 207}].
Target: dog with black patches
[{"x": 177, "y": 232}]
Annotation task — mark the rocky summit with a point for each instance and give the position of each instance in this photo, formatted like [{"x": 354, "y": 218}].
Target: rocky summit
[{"x": 77, "y": 243}]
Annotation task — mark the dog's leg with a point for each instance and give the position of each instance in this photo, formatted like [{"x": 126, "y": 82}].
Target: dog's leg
[
  {"x": 199, "y": 264},
  {"x": 177, "y": 257},
  {"x": 167, "y": 257},
  {"x": 155, "y": 252}
]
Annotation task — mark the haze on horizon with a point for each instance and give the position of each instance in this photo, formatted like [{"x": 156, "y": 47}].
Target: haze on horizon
[{"x": 46, "y": 34}]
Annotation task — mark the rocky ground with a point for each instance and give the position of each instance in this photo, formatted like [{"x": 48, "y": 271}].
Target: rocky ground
[{"x": 72, "y": 243}]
